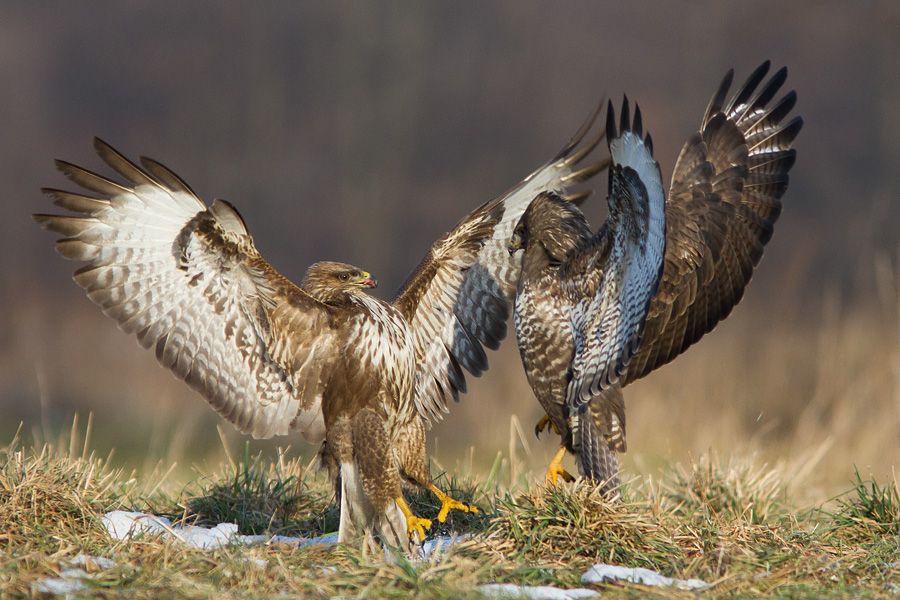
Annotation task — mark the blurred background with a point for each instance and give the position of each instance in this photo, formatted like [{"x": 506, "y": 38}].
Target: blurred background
[{"x": 362, "y": 131}]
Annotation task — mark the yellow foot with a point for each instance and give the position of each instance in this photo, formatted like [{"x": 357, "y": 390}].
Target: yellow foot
[
  {"x": 542, "y": 424},
  {"x": 414, "y": 525},
  {"x": 448, "y": 504},
  {"x": 556, "y": 470}
]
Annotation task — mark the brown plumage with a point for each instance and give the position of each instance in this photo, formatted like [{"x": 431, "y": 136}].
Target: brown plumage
[
  {"x": 582, "y": 298},
  {"x": 721, "y": 209},
  {"x": 361, "y": 376}
]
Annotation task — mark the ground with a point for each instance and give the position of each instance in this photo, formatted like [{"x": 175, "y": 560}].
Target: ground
[{"x": 728, "y": 522}]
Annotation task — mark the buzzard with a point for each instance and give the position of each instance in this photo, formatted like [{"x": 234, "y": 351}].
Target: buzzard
[
  {"x": 361, "y": 376},
  {"x": 583, "y": 334}
]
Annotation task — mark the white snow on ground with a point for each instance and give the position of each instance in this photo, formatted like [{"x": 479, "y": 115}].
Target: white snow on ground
[
  {"x": 534, "y": 592},
  {"x": 602, "y": 572},
  {"x": 72, "y": 578},
  {"x": 69, "y": 582},
  {"x": 123, "y": 525}
]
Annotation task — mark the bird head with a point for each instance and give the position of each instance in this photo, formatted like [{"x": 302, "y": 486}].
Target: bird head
[
  {"x": 551, "y": 222},
  {"x": 519, "y": 238},
  {"x": 328, "y": 281}
]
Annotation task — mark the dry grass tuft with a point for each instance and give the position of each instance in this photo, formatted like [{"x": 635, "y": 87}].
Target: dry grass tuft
[{"x": 731, "y": 491}]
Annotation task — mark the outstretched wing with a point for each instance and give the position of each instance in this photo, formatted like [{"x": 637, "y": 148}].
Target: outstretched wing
[
  {"x": 723, "y": 203},
  {"x": 458, "y": 299},
  {"x": 188, "y": 282},
  {"x": 607, "y": 325}
]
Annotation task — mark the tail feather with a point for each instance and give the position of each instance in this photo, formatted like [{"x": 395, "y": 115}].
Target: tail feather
[{"x": 596, "y": 460}]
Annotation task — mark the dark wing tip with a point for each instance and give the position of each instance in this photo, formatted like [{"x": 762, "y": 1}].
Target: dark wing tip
[
  {"x": 582, "y": 131},
  {"x": 790, "y": 131},
  {"x": 625, "y": 117},
  {"x": 611, "y": 132},
  {"x": 638, "y": 126},
  {"x": 166, "y": 176},
  {"x": 42, "y": 219},
  {"x": 749, "y": 87},
  {"x": 718, "y": 99},
  {"x": 101, "y": 146}
]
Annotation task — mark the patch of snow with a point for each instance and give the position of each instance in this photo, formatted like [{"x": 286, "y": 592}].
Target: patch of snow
[
  {"x": 600, "y": 573},
  {"x": 123, "y": 525},
  {"x": 435, "y": 547},
  {"x": 92, "y": 562},
  {"x": 60, "y": 586},
  {"x": 72, "y": 578},
  {"x": 324, "y": 540},
  {"x": 534, "y": 592},
  {"x": 259, "y": 563}
]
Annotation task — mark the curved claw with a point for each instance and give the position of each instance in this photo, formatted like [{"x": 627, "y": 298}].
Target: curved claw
[
  {"x": 543, "y": 424},
  {"x": 414, "y": 525},
  {"x": 417, "y": 526}
]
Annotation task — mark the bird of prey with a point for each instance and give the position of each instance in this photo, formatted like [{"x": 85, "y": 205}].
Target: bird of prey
[
  {"x": 581, "y": 336},
  {"x": 361, "y": 376}
]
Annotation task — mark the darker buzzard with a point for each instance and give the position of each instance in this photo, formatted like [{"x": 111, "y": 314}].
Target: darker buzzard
[{"x": 583, "y": 332}]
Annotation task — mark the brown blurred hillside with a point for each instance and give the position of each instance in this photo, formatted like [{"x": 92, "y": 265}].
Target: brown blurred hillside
[{"x": 362, "y": 131}]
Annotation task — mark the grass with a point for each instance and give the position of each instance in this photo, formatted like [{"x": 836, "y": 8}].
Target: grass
[{"x": 729, "y": 522}]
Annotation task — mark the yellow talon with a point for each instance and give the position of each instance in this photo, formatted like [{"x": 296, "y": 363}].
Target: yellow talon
[
  {"x": 542, "y": 424},
  {"x": 448, "y": 504},
  {"x": 414, "y": 525},
  {"x": 555, "y": 470}
]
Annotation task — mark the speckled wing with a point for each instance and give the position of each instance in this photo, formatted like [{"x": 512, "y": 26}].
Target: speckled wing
[
  {"x": 723, "y": 203},
  {"x": 458, "y": 299},
  {"x": 607, "y": 325},
  {"x": 188, "y": 281}
]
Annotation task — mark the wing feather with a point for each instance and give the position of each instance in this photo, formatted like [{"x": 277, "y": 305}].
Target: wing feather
[
  {"x": 188, "y": 281},
  {"x": 723, "y": 203},
  {"x": 459, "y": 298},
  {"x": 608, "y": 324}
]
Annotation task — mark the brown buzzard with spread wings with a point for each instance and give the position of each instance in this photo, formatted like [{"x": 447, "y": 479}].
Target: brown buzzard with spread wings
[{"x": 360, "y": 375}]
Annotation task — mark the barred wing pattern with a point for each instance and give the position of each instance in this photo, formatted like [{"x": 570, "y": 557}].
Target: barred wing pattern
[
  {"x": 188, "y": 282},
  {"x": 459, "y": 297},
  {"x": 607, "y": 325},
  {"x": 723, "y": 203}
]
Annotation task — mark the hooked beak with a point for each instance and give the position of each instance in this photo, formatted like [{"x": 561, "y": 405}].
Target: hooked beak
[
  {"x": 514, "y": 244},
  {"x": 366, "y": 280}
]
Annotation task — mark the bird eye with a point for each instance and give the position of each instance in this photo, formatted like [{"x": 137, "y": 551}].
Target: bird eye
[{"x": 345, "y": 276}]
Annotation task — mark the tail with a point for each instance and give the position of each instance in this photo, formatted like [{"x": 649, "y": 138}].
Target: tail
[
  {"x": 600, "y": 437},
  {"x": 370, "y": 485},
  {"x": 596, "y": 460},
  {"x": 360, "y": 518}
]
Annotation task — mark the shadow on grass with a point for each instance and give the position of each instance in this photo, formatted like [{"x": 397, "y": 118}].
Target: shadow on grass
[{"x": 263, "y": 497}]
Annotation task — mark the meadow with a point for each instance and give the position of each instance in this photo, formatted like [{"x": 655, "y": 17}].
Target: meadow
[
  {"x": 762, "y": 462},
  {"x": 730, "y": 523}
]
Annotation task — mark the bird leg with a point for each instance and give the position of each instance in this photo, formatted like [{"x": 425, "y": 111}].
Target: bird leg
[
  {"x": 555, "y": 470},
  {"x": 542, "y": 424},
  {"x": 448, "y": 504},
  {"x": 414, "y": 524}
]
